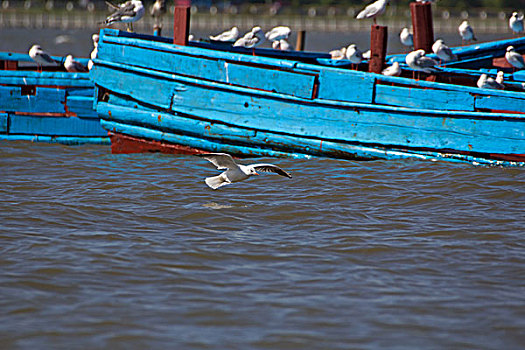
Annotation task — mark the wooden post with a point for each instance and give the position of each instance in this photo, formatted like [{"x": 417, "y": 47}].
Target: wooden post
[
  {"x": 422, "y": 24},
  {"x": 299, "y": 44},
  {"x": 181, "y": 25},
  {"x": 378, "y": 42}
]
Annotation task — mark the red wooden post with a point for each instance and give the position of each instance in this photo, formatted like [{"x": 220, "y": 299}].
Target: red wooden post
[
  {"x": 378, "y": 42},
  {"x": 299, "y": 44},
  {"x": 181, "y": 25},
  {"x": 423, "y": 26}
]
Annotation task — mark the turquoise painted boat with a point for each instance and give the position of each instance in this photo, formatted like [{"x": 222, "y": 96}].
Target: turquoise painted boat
[
  {"x": 153, "y": 95},
  {"x": 48, "y": 106}
]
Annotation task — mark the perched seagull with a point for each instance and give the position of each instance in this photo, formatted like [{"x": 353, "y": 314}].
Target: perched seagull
[
  {"x": 128, "y": 12},
  {"x": 282, "y": 45},
  {"x": 419, "y": 62},
  {"x": 40, "y": 56},
  {"x": 406, "y": 38},
  {"x": 338, "y": 54},
  {"x": 443, "y": 51},
  {"x": 516, "y": 23},
  {"x": 228, "y": 36},
  {"x": 94, "y": 53},
  {"x": 252, "y": 39},
  {"x": 373, "y": 10},
  {"x": 514, "y": 58},
  {"x": 393, "y": 71},
  {"x": 235, "y": 172},
  {"x": 278, "y": 33},
  {"x": 354, "y": 54},
  {"x": 158, "y": 8},
  {"x": 466, "y": 32},
  {"x": 486, "y": 82},
  {"x": 367, "y": 54},
  {"x": 72, "y": 65}
]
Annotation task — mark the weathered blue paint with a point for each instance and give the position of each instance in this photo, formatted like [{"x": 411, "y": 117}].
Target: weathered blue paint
[
  {"x": 65, "y": 140},
  {"x": 51, "y": 106},
  {"x": 348, "y": 114}
]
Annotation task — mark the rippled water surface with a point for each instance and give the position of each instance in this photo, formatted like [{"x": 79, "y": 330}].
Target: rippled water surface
[{"x": 135, "y": 251}]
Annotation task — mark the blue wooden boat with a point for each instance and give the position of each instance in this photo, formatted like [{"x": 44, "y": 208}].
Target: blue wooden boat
[
  {"x": 153, "y": 95},
  {"x": 48, "y": 106}
]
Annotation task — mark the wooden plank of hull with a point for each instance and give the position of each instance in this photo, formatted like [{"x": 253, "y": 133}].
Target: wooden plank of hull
[
  {"x": 420, "y": 98},
  {"x": 140, "y": 139},
  {"x": 3, "y": 123},
  {"x": 54, "y": 126},
  {"x": 461, "y": 131},
  {"x": 60, "y": 79},
  {"x": 65, "y": 140},
  {"x": 213, "y": 136},
  {"x": 44, "y": 100},
  {"x": 280, "y": 81}
]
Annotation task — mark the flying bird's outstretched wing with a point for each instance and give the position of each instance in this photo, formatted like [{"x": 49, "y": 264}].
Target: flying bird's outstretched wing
[
  {"x": 220, "y": 160},
  {"x": 271, "y": 168}
]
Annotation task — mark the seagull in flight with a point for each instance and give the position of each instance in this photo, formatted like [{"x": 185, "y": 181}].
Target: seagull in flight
[
  {"x": 228, "y": 36},
  {"x": 236, "y": 172},
  {"x": 127, "y": 12},
  {"x": 373, "y": 10}
]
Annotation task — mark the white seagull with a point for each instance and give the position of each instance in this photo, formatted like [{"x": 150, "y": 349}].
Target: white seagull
[
  {"x": 393, "y": 71},
  {"x": 94, "y": 53},
  {"x": 406, "y": 38},
  {"x": 466, "y": 32},
  {"x": 282, "y": 45},
  {"x": 516, "y": 23},
  {"x": 486, "y": 82},
  {"x": 278, "y": 33},
  {"x": 128, "y": 12},
  {"x": 73, "y": 65},
  {"x": 338, "y": 54},
  {"x": 354, "y": 54},
  {"x": 252, "y": 39},
  {"x": 235, "y": 172},
  {"x": 40, "y": 56},
  {"x": 419, "y": 62},
  {"x": 373, "y": 10},
  {"x": 158, "y": 8},
  {"x": 514, "y": 58},
  {"x": 443, "y": 51},
  {"x": 228, "y": 36}
]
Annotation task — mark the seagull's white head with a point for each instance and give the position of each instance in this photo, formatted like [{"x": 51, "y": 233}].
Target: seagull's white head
[
  {"x": 510, "y": 48},
  {"x": 253, "y": 172}
]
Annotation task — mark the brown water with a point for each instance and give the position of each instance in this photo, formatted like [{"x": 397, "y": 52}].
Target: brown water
[{"x": 136, "y": 252}]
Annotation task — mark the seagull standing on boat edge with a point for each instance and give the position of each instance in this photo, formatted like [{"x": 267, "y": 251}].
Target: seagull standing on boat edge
[
  {"x": 466, "y": 32},
  {"x": 514, "y": 58},
  {"x": 235, "y": 172},
  {"x": 228, "y": 36},
  {"x": 373, "y": 10},
  {"x": 128, "y": 12},
  {"x": 40, "y": 56},
  {"x": 353, "y": 54},
  {"x": 73, "y": 66},
  {"x": 516, "y": 23},
  {"x": 419, "y": 62},
  {"x": 393, "y": 71},
  {"x": 443, "y": 52},
  {"x": 406, "y": 38},
  {"x": 486, "y": 82},
  {"x": 252, "y": 39}
]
